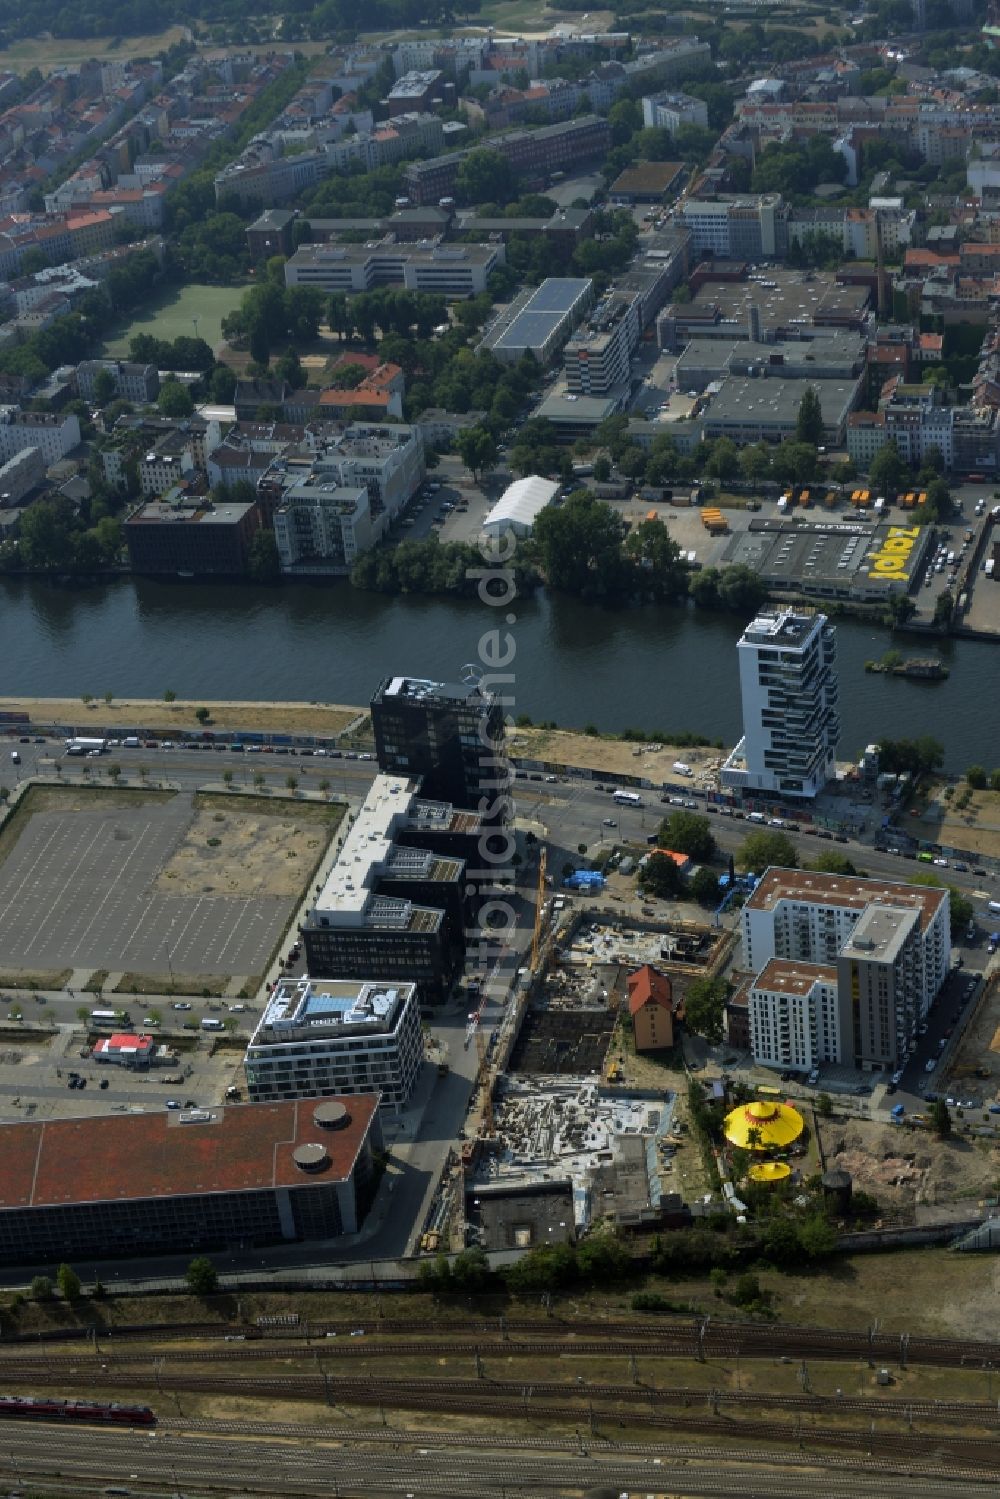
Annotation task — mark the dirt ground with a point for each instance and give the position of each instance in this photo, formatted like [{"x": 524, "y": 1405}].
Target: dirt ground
[
  {"x": 980, "y": 1047},
  {"x": 902, "y": 1167},
  {"x": 976, "y": 828},
  {"x": 325, "y": 719},
  {"x": 244, "y": 852},
  {"x": 564, "y": 747}
]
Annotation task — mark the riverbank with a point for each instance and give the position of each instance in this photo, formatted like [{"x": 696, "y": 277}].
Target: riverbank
[{"x": 324, "y": 720}]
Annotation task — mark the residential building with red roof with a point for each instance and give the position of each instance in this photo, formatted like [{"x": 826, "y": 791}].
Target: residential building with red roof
[{"x": 651, "y": 1008}]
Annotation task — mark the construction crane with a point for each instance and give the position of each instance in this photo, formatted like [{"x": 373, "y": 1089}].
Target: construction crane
[
  {"x": 536, "y": 939},
  {"x": 486, "y": 1085}
]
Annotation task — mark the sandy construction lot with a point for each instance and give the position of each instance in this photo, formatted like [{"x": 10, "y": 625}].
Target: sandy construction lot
[
  {"x": 324, "y": 719},
  {"x": 620, "y": 756},
  {"x": 230, "y": 850}
]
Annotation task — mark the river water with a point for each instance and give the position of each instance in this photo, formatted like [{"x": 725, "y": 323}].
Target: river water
[{"x": 655, "y": 668}]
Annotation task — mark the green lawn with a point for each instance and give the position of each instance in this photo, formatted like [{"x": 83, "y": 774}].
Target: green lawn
[
  {"x": 49, "y": 53},
  {"x": 173, "y": 311}
]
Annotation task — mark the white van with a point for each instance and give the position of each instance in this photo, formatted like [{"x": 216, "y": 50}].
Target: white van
[
  {"x": 756, "y": 817},
  {"x": 993, "y": 906},
  {"x": 210, "y": 1024},
  {"x": 131, "y": 741}
]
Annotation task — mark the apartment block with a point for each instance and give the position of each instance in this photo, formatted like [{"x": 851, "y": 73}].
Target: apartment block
[
  {"x": 788, "y": 687},
  {"x": 881, "y": 986},
  {"x": 531, "y": 153},
  {"x": 794, "y": 1016},
  {"x": 322, "y": 527},
  {"x": 811, "y": 917},
  {"x": 138, "y": 383},
  {"x": 323, "y": 1037},
  {"x": 54, "y": 434},
  {"x": 668, "y": 111}
]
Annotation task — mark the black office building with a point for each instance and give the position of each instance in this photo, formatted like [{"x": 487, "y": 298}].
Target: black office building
[{"x": 451, "y": 736}]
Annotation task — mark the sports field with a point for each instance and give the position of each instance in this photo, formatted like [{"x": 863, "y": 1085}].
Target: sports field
[{"x": 175, "y": 311}]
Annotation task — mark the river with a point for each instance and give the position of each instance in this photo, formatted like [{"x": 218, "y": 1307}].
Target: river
[{"x": 656, "y": 668}]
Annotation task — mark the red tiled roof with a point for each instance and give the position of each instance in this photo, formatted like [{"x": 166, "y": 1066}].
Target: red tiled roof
[
  {"x": 122, "y": 1157},
  {"x": 648, "y": 986}
]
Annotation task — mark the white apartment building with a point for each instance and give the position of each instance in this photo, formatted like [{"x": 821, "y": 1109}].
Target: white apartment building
[
  {"x": 888, "y": 942},
  {"x": 19, "y": 475},
  {"x": 788, "y": 686},
  {"x": 794, "y": 1016},
  {"x": 738, "y": 226},
  {"x": 320, "y": 1037},
  {"x": 322, "y": 527},
  {"x": 669, "y": 111},
  {"x": 54, "y": 434}
]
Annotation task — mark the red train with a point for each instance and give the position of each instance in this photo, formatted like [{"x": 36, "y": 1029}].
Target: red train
[{"x": 44, "y": 1408}]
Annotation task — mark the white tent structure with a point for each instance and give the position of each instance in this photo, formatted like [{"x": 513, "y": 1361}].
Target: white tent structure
[{"x": 520, "y": 505}]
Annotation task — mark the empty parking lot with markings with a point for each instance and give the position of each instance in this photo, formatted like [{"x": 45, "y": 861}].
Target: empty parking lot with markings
[{"x": 85, "y": 881}]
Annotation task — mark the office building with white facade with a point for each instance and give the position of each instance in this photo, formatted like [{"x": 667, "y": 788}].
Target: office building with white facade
[
  {"x": 451, "y": 270},
  {"x": 846, "y": 968},
  {"x": 323, "y": 1037},
  {"x": 788, "y": 686},
  {"x": 669, "y": 111}
]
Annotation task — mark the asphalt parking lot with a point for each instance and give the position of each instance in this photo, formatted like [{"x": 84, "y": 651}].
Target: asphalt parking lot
[
  {"x": 77, "y": 891},
  {"x": 35, "y": 1075}
]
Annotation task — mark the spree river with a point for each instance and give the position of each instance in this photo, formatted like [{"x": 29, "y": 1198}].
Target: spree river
[{"x": 655, "y": 668}]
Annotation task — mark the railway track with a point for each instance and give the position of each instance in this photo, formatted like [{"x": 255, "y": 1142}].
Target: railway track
[
  {"x": 337, "y": 1390},
  {"x": 688, "y": 1336},
  {"x": 716, "y": 1341},
  {"x": 588, "y": 1409}
]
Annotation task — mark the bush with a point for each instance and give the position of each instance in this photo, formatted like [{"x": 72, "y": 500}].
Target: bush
[
  {"x": 41, "y": 1288},
  {"x": 652, "y": 1301},
  {"x": 68, "y": 1282},
  {"x": 201, "y": 1276}
]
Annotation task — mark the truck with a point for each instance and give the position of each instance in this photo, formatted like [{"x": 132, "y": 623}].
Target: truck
[{"x": 86, "y": 746}]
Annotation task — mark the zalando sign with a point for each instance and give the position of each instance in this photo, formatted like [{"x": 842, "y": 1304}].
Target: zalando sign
[{"x": 892, "y": 558}]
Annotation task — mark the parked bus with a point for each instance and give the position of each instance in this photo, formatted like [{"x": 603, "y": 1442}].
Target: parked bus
[
  {"x": 628, "y": 799},
  {"x": 104, "y": 1017},
  {"x": 86, "y": 746}
]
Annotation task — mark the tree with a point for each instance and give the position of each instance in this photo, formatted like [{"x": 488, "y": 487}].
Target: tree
[
  {"x": 68, "y": 1282},
  {"x": 485, "y": 177},
  {"x": 105, "y": 388},
  {"x": 82, "y": 1014},
  {"x": 888, "y": 474},
  {"x": 263, "y": 560},
  {"x": 976, "y": 777},
  {"x": 201, "y": 1276},
  {"x": 292, "y": 782},
  {"x": 944, "y": 609},
  {"x": 809, "y": 422},
  {"x": 765, "y": 847},
  {"x": 203, "y": 715},
  {"x": 476, "y": 446},
  {"x": 258, "y": 779},
  {"x": 661, "y": 876},
  {"x": 227, "y": 777},
  {"x": 704, "y": 886},
  {"x": 41, "y": 1288},
  {"x": 688, "y": 833},
  {"x": 170, "y": 696},
  {"x": 704, "y": 1007},
  {"x": 824, "y": 1105},
  {"x": 174, "y": 399},
  {"x": 755, "y": 463},
  {"x": 833, "y": 863},
  {"x": 940, "y": 1119}
]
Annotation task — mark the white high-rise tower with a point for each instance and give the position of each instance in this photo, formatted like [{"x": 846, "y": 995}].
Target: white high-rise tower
[{"x": 788, "y": 684}]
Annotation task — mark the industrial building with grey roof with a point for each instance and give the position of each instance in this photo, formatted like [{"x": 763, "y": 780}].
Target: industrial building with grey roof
[
  {"x": 540, "y": 319},
  {"x": 755, "y": 410}
]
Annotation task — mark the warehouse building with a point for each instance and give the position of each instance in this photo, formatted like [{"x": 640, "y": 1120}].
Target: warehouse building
[
  {"x": 520, "y": 505},
  {"x": 228, "y": 1177},
  {"x": 540, "y": 320},
  {"x": 748, "y": 410},
  {"x": 323, "y": 1037},
  {"x": 831, "y": 559},
  {"x": 838, "y": 356}
]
